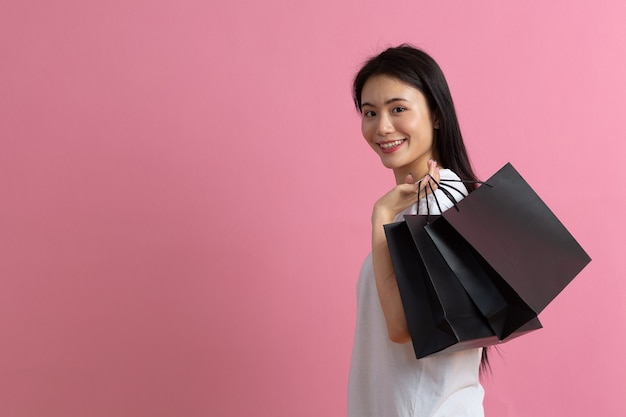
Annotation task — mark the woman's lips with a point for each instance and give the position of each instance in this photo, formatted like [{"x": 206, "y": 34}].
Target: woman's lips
[{"x": 391, "y": 146}]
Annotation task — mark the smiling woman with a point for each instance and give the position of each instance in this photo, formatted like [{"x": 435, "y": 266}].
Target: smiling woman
[
  {"x": 398, "y": 125},
  {"x": 409, "y": 120}
]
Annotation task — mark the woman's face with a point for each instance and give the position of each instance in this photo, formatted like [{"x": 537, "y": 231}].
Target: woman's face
[{"x": 397, "y": 124}]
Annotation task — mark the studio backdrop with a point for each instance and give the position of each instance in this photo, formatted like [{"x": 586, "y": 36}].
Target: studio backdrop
[{"x": 185, "y": 197}]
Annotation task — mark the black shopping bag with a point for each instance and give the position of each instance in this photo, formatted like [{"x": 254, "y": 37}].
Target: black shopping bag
[
  {"x": 441, "y": 315},
  {"x": 503, "y": 308},
  {"x": 518, "y": 240}
]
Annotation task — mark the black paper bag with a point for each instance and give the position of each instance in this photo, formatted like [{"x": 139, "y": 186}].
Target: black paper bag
[
  {"x": 515, "y": 236},
  {"x": 441, "y": 315},
  {"x": 503, "y": 308},
  {"x": 505, "y": 248}
]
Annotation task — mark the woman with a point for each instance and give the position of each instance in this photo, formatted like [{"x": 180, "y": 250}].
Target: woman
[{"x": 408, "y": 118}]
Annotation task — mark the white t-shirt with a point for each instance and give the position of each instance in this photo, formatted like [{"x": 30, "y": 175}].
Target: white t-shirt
[{"x": 386, "y": 380}]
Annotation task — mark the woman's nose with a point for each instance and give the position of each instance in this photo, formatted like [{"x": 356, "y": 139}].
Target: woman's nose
[{"x": 384, "y": 126}]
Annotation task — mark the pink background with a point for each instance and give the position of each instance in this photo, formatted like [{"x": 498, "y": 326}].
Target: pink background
[{"x": 185, "y": 197}]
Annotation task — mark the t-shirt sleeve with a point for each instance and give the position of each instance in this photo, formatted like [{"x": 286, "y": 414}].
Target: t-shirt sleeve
[{"x": 432, "y": 203}]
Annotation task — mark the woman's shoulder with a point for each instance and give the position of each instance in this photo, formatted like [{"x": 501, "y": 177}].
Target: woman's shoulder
[
  {"x": 450, "y": 185},
  {"x": 448, "y": 174},
  {"x": 452, "y": 182}
]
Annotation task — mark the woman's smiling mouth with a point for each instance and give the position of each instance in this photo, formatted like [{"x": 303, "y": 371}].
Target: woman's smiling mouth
[{"x": 387, "y": 147}]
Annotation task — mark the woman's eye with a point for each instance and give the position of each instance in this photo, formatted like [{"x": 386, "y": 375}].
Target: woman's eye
[
  {"x": 369, "y": 113},
  {"x": 398, "y": 109}
]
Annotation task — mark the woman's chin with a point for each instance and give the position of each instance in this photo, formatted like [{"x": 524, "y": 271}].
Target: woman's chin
[{"x": 387, "y": 163}]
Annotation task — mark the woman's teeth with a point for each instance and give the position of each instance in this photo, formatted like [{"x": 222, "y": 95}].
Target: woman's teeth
[{"x": 389, "y": 145}]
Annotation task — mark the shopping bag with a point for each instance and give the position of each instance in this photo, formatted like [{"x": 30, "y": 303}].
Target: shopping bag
[
  {"x": 520, "y": 243},
  {"x": 509, "y": 252},
  {"x": 505, "y": 311},
  {"x": 441, "y": 315}
]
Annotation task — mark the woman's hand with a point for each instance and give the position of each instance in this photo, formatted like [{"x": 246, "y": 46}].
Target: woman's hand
[
  {"x": 397, "y": 199},
  {"x": 428, "y": 184},
  {"x": 404, "y": 195}
]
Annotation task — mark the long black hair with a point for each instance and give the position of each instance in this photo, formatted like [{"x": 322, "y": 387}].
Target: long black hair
[{"x": 419, "y": 70}]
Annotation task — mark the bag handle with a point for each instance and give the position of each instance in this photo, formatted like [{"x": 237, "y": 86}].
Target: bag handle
[
  {"x": 445, "y": 188},
  {"x": 432, "y": 191}
]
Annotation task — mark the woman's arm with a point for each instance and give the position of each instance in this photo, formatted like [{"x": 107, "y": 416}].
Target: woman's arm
[
  {"x": 386, "y": 283},
  {"x": 384, "y": 212}
]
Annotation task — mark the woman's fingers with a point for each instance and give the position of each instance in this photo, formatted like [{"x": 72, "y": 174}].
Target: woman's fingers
[
  {"x": 403, "y": 195},
  {"x": 433, "y": 170},
  {"x": 429, "y": 183}
]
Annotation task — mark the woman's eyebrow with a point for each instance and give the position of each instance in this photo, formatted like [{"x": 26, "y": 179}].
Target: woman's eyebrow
[{"x": 391, "y": 100}]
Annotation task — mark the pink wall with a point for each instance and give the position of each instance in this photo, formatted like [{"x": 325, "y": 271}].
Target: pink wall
[{"x": 185, "y": 197}]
